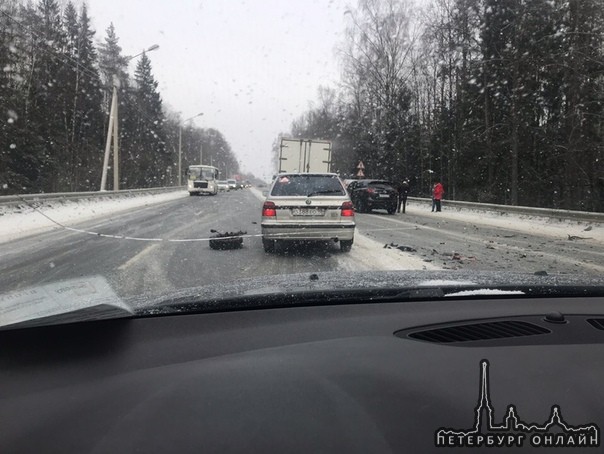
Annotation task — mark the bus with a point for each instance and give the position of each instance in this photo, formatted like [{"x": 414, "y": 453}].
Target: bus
[{"x": 202, "y": 180}]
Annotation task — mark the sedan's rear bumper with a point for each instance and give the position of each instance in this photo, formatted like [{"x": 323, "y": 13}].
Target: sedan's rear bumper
[{"x": 308, "y": 232}]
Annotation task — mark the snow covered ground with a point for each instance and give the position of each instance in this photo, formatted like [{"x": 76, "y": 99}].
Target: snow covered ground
[
  {"x": 536, "y": 225},
  {"x": 368, "y": 254},
  {"x": 25, "y": 220}
]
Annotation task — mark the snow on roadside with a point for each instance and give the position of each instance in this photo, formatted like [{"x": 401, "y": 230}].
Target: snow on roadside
[
  {"x": 368, "y": 254},
  {"x": 522, "y": 223},
  {"x": 17, "y": 222}
]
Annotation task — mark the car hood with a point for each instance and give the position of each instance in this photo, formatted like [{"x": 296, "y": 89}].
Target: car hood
[{"x": 371, "y": 285}]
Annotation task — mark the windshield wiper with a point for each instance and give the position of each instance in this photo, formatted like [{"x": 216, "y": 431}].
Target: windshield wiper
[{"x": 331, "y": 191}]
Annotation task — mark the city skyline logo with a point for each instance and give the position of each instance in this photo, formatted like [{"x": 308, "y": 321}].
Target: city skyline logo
[{"x": 513, "y": 432}]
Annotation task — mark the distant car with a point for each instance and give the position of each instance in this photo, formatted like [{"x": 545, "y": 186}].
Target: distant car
[
  {"x": 223, "y": 185},
  {"x": 367, "y": 195},
  {"x": 307, "y": 207},
  {"x": 232, "y": 184}
]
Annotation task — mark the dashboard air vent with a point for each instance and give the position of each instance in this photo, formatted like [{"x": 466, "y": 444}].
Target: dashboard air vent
[{"x": 479, "y": 332}]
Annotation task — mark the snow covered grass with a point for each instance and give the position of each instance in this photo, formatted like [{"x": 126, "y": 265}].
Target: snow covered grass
[
  {"x": 42, "y": 216},
  {"x": 522, "y": 223}
]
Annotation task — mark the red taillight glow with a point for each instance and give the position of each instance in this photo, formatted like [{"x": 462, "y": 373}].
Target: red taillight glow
[
  {"x": 269, "y": 209},
  {"x": 347, "y": 209},
  {"x": 371, "y": 190}
]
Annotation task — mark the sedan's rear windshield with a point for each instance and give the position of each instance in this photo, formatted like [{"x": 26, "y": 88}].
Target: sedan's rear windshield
[{"x": 308, "y": 185}]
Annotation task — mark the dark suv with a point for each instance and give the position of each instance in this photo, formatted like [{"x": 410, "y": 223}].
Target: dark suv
[{"x": 367, "y": 195}]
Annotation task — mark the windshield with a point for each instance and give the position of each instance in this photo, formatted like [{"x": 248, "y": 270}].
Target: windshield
[
  {"x": 202, "y": 174},
  {"x": 468, "y": 132},
  {"x": 307, "y": 185}
]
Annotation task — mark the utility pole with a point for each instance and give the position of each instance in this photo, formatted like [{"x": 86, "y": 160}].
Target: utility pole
[
  {"x": 111, "y": 126},
  {"x": 112, "y": 130},
  {"x": 201, "y": 154},
  {"x": 180, "y": 147}
]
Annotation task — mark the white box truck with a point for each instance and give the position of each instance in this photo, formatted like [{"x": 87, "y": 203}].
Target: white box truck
[{"x": 304, "y": 156}]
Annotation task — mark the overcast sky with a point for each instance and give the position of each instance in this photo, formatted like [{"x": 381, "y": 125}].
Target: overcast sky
[{"x": 250, "y": 66}]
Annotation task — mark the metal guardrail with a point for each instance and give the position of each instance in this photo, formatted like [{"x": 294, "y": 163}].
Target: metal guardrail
[
  {"x": 10, "y": 200},
  {"x": 529, "y": 211}
]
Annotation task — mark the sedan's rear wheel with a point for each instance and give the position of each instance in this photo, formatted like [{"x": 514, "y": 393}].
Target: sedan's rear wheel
[
  {"x": 392, "y": 209},
  {"x": 346, "y": 245}
]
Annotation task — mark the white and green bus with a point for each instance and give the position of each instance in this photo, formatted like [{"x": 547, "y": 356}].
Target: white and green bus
[{"x": 202, "y": 180}]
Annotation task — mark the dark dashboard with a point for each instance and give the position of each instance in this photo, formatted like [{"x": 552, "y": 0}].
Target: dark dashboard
[{"x": 441, "y": 375}]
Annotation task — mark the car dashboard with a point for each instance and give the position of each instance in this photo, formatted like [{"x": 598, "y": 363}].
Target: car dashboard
[{"x": 374, "y": 377}]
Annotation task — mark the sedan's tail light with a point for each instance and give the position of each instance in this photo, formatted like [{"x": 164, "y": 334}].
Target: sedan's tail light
[
  {"x": 269, "y": 209},
  {"x": 347, "y": 209},
  {"x": 371, "y": 190}
]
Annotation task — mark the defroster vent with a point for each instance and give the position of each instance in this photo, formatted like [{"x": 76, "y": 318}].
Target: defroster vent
[
  {"x": 597, "y": 323},
  {"x": 479, "y": 332}
]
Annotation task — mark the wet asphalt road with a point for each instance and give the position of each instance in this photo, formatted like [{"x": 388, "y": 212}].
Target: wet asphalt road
[{"x": 168, "y": 248}]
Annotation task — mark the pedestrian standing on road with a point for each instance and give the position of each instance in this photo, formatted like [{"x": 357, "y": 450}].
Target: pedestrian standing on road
[
  {"x": 403, "y": 192},
  {"x": 437, "y": 196}
]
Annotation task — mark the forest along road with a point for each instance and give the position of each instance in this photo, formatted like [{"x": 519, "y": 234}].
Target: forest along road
[{"x": 164, "y": 247}]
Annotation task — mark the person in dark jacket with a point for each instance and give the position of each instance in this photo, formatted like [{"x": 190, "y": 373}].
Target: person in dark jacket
[
  {"x": 437, "y": 196},
  {"x": 403, "y": 192}
]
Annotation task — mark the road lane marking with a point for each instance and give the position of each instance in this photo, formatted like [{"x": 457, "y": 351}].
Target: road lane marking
[{"x": 137, "y": 257}]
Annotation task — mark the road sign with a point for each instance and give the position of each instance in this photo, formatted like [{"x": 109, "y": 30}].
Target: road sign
[{"x": 361, "y": 166}]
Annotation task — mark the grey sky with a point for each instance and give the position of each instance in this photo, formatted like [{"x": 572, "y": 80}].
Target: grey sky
[{"x": 250, "y": 66}]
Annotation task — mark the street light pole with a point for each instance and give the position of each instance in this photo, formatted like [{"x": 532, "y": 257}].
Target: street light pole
[
  {"x": 113, "y": 130},
  {"x": 180, "y": 147}
]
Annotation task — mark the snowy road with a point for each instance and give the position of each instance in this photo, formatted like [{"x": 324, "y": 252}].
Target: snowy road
[{"x": 164, "y": 246}]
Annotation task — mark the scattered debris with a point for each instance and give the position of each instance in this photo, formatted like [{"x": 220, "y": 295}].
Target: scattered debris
[
  {"x": 400, "y": 248},
  {"x": 406, "y": 249},
  {"x": 574, "y": 237},
  {"x": 461, "y": 259},
  {"x": 226, "y": 240},
  {"x": 510, "y": 236},
  {"x": 587, "y": 229},
  {"x": 540, "y": 273}
]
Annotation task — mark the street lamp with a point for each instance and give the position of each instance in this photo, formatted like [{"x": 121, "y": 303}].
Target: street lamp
[
  {"x": 113, "y": 130},
  {"x": 180, "y": 147}
]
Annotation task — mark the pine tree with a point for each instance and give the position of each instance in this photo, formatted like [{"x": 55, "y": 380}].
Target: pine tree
[{"x": 147, "y": 152}]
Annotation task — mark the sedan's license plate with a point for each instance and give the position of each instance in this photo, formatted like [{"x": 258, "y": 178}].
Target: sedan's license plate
[
  {"x": 307, "y": 212},
  {"x": 384, "y": 195}
]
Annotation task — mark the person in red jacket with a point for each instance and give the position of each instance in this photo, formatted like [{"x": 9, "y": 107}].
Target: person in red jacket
[{"x": 437, "y": 195}]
